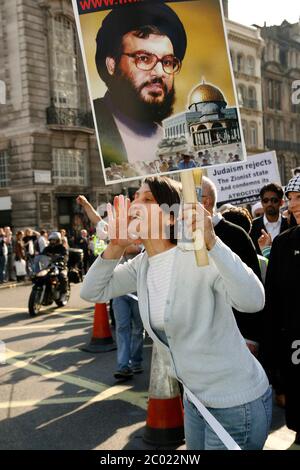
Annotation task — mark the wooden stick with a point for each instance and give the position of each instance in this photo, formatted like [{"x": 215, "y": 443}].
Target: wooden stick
[{"x": 189, "y": 180}]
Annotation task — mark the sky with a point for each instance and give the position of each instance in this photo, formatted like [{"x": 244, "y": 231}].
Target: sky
[{"x": 259, "y": 11}]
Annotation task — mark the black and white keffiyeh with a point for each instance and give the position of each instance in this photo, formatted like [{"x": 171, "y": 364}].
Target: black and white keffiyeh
[{"x": 293, "y": 185}]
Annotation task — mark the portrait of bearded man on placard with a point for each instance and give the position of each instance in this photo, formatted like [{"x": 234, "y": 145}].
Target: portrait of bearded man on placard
[{"x": 138, "y": 68}]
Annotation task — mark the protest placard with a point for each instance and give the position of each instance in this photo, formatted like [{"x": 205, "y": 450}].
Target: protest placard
[
  {"x": 241, "y": 183},
  {"x": 161, "y": 85}
]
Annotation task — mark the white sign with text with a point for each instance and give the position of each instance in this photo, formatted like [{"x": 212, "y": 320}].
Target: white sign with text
[{"x": 241, "y": 183}]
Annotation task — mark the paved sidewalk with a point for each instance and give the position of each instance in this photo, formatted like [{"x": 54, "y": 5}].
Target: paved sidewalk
[{"x": 12, "y": 284}]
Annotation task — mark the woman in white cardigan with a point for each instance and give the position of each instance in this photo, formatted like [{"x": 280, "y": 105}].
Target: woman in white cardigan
[{"x": 187, "y": 311}]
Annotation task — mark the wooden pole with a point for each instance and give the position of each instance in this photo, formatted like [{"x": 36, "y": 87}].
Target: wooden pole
[{"x": 190, "y": 180}]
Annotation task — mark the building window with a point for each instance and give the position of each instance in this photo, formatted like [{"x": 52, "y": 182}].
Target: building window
[
  {"x": 69, "y": 167},
  {"x": 274, "y": 94},
  {"x": 283, "y": 57},
  {"x": 64, "y": 63},
  {"x": 4, "y": 176},
  {"x": 270, "y": 94},
  {"x": 270, "y": 129},
  {"x": 252, "y": 98},
  {"x": 281, "y": 166},
  {"x": 251, "y": 66},
  {"x": 253, "y": 134},
  {"x": 232, "y": 56},
  {"x": 240, "y": 63},
  {"x": 241, "y": 95},
  {"x": 277, "y": 94},
  {"x": 245, "y": 131},
  {"x": 279, "y": 130},
  {"x": 294, "y": 135}
]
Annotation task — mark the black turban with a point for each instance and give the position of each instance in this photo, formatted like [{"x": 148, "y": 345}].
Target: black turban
[{"x": 122, "y": 20}]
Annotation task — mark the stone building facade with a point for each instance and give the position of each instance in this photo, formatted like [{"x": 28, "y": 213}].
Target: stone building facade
[
  {"x": 246, "y": 46},
  {"x": 281, "y": 75},
  {"x": 48, "y": 149}
]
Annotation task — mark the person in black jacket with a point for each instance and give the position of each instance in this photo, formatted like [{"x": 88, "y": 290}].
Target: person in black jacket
[
  {"x": 240, "y": 243},
  {"x": 281, "y": 345},
  {"x": 57, "y": 252},
  {"x": 272, "y": 222}
]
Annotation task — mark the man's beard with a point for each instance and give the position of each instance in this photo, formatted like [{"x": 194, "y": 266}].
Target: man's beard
[{"x": 127, "y": 97}]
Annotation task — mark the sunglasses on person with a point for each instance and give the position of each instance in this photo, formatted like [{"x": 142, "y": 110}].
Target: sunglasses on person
[
  {"x": 146, "y": 61},
  {"x": 273, "y": 200}
]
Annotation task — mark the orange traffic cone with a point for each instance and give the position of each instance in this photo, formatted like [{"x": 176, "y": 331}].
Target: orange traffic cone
[
  {"x": 164, "y": 426},
  {"x": 102, "y": 340}
]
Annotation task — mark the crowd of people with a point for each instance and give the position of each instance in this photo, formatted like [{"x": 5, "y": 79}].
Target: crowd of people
[
  {"x": 231, "y": 321},
  {"x": 254, "y": 255},
  {"x": 20, "y": 252},
  {"x": 179, "y": 161}
]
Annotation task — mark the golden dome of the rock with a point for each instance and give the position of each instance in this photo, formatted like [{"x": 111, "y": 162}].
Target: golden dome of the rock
[{"x": 206, "y": 93}]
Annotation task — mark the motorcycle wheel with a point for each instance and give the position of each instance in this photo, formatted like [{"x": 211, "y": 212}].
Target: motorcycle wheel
[
  {"x": 61, "y": 303},
  {"x": 34, "y": 303}
]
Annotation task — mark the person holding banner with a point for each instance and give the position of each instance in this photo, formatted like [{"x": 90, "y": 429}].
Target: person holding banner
[{"x": 187, "y": 311}]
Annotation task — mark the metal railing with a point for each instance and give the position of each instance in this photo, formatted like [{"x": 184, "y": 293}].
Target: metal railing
[
  {"x": 69, "y": 117},
  {"x": 283, "y": 145}
]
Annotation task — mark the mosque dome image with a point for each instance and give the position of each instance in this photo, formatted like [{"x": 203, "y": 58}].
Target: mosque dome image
[
  {"x": 206, "y": 123},
  {"x": 206, "y": 97}
]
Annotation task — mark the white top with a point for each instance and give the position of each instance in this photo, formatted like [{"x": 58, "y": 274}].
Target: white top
[
  {"x": 4, "y": 248},
  {"x": 205, "y": 350},
  {"x": 158, "y": 284},
  {"x": 43, "y": 242},
  {"x": 273, "y": 228}
]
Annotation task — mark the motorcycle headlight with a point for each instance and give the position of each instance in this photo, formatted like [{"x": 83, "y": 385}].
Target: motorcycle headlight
[{"x": 42, "y": 273}]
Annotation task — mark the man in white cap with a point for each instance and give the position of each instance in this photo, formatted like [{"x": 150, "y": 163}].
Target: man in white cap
[
  {"x": 257, "y": 210},
  {"x": 282, "y": 326}
]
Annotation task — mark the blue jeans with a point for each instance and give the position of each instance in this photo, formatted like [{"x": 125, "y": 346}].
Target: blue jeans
[
  {"x": 129, "y": 332},
  {"x": 248, "y": 425},
  {"x": 3, "y": 264}
]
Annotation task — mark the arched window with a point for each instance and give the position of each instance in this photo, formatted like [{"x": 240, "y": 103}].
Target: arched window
[
  {"x": 64, "y": 63},
  {"x": 251, "y": 65}
]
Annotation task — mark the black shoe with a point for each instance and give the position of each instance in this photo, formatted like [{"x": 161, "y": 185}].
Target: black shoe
[
  {"x": 137, "y": 369},
  {"x": 123, "y": 374},
  {"x": 297, "y": 439}
]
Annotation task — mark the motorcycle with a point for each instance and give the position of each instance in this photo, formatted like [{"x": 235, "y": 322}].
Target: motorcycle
[{"x": 46, "y": 288}]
